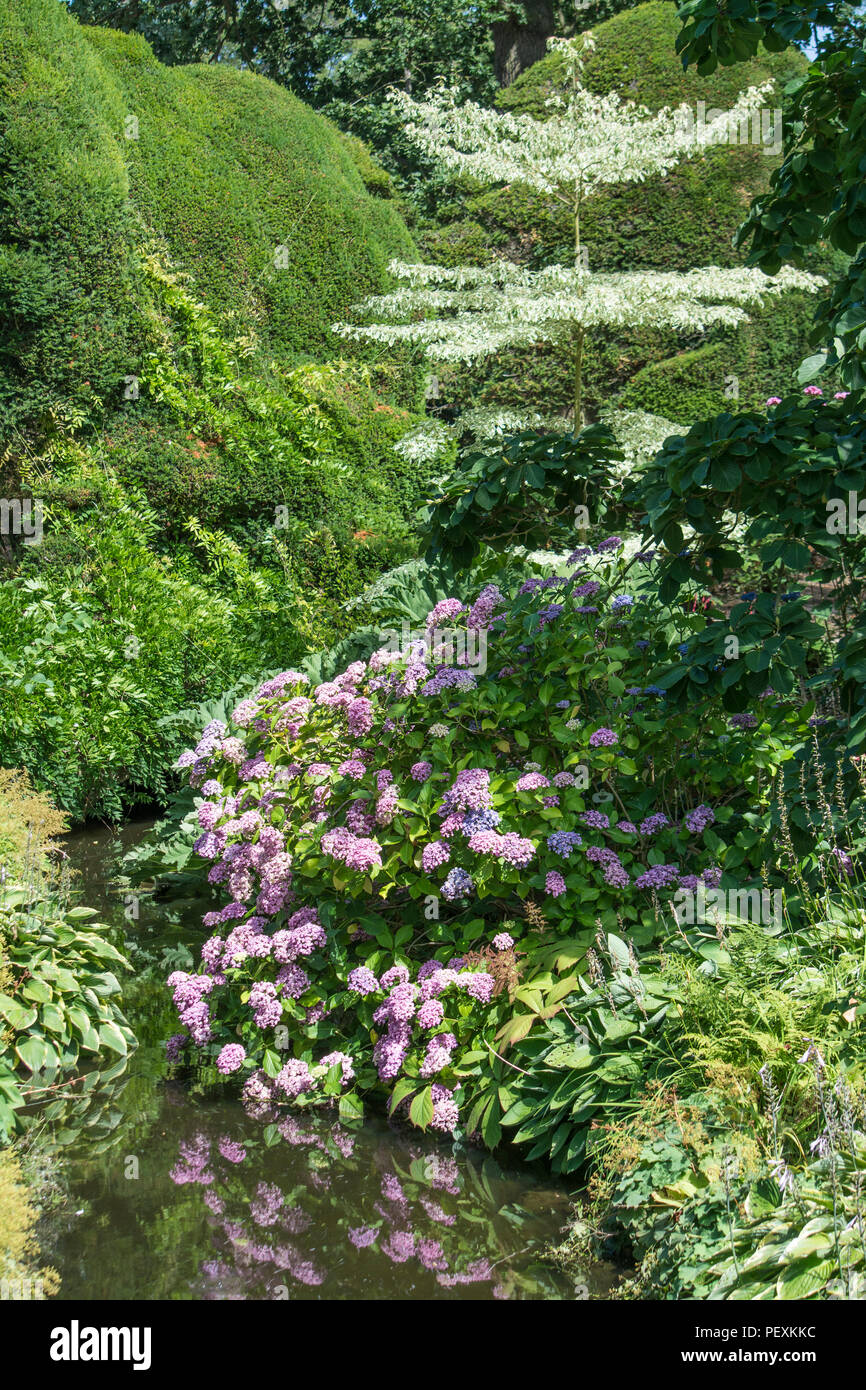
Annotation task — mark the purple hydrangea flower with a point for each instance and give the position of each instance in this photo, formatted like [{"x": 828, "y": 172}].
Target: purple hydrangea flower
[
  {"x": 562, "y": 842},
  {"x": 699, "y": 818},
  {"x": 660, "y": 876},
  {"x": 458, "y": 884},
  {"x": 531, "y": 781},
  {"x": 434, "y": 854},
  {"x": 232, "y": 1055},
  {"x": 603, "y": 738},
  {"x": 362, "y": 980},
  {"x": 444, "y": 611}
]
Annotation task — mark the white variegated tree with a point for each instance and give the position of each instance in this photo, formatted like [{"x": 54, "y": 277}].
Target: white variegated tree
[{"x": 588, "y": 141}]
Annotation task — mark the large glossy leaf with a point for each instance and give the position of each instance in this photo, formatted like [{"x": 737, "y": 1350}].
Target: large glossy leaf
[
  {"x": 18, "y": 1016},
  {"x": 36, "y": 1052},
  {"x": 421, "y": 1109},
  {"x": 111, "y": 1036}
]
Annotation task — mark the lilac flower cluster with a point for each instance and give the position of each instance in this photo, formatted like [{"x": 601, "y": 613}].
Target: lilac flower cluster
[
  {"x": 266, "y": 1007},
  {"x": 189, "y": 997},
  {"x": 231, "y": 1058}
]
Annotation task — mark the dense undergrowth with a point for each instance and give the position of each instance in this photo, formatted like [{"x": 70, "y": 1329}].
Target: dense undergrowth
[{"x": 201, "y": 458}]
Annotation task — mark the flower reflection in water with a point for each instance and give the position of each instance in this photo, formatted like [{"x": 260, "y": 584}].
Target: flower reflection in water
[{"x": 305, "y": 1205}]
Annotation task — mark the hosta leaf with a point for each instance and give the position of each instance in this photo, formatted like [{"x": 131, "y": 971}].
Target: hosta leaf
[
  {"x": 804, "y": 1278},
  {"x": 18, "y": 1016},
  {"x": 618, "y": 1029},
  {"x": 804, "y": 1245},
  {"x": 569, "y": 1055},
  {"x": 618, "y": 950},
  {"x": 81, "y": 1022},
  {"x": 37, "y": 990},
  {"x": 767, "y": 1254},
  {"x": 52, "y": 1019},
  {"x": 111, "y": 1036},
  {"x": 36, "y": 1052},
  {"x": 620, "y": 1070}
]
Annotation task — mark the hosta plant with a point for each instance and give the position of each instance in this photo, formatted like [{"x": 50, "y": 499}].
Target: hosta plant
[
  {"x": 60, "y": 1014},
  {"x": 592, "y": 1061}
]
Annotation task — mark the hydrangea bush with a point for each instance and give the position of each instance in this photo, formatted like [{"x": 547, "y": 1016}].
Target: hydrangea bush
[{"x": 407, "y": 849}]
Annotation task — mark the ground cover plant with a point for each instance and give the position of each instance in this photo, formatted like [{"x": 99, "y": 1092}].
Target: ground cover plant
[{"x": 60, "y": 1015}]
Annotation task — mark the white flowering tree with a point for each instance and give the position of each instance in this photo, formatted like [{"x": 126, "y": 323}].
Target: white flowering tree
[{"x": 465, "y": 313}]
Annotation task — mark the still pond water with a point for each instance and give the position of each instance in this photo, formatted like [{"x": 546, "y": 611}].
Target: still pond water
[{"x": 173, "y": 1192}]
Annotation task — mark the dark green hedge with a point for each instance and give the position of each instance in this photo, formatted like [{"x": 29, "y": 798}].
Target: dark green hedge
[
  {"x": 73, "y": 317},
  {"x": 226, "y": 167}
]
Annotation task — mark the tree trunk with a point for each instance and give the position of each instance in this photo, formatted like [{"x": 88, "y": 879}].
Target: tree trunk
[{"x": 521, "y": 40}]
